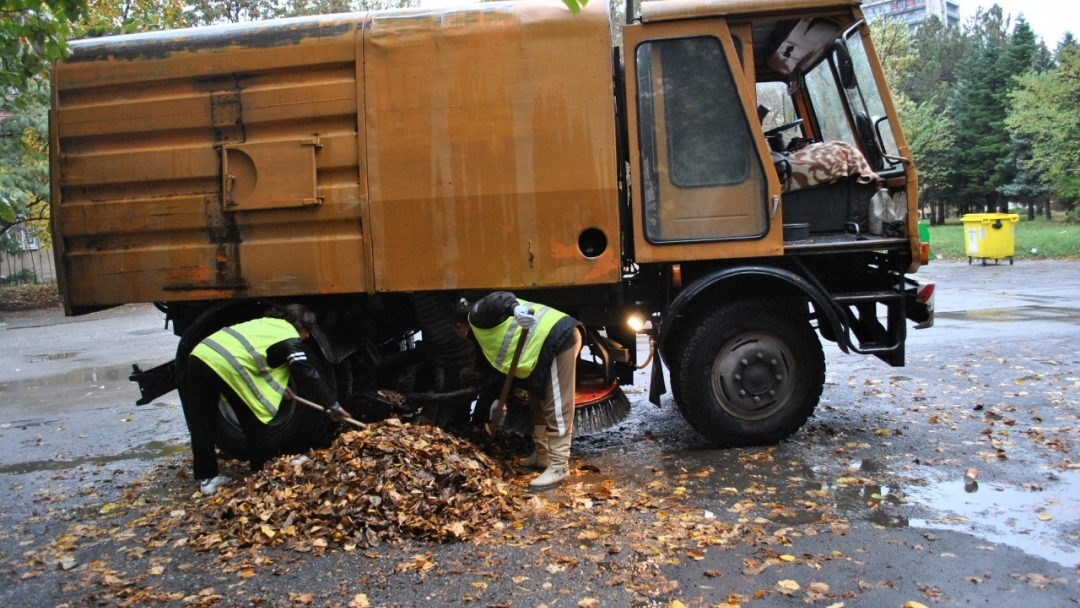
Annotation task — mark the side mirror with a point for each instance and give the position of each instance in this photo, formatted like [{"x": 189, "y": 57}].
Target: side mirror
[{"x": 844, "y": 66}]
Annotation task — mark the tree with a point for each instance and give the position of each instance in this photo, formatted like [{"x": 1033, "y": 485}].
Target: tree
[
  {"x": 110, "y": 17},
  {"x": 986, "y": 76},
  {"x": 938, "y": 50},
  {"x": 1045, "y": 111},
  {"x": 895, "y": 49},
  {"x": 24, "y": 161},
  {"x": 32, "y": 36}
]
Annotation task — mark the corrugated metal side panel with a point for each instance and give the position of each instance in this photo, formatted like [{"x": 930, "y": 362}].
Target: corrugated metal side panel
[
  {"x": 139, "y": 122},
  {"x": 491, "y": 146}
]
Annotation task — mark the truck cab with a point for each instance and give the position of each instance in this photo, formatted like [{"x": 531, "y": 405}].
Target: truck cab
[{"x": 746, "y": 117}]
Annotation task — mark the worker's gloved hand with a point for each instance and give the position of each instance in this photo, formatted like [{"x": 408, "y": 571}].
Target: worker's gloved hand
[
  {"x": 524, "y": 317},
  {"x": 338, "y": 413}
]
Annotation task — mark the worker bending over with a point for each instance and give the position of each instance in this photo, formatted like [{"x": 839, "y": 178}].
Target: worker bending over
[
  {"x": 548, "y": 365},
  {"x": 250, "y": 366}
]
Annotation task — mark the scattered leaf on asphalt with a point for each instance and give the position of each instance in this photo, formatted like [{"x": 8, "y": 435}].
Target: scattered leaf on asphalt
[{"x": 787, "y": 586}]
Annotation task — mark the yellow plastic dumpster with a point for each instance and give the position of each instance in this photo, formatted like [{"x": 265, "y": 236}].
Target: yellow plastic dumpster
[{"x": 990, "y": 236}]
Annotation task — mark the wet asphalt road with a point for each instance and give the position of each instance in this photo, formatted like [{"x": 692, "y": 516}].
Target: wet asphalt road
[{"x": 867, "y": 503}]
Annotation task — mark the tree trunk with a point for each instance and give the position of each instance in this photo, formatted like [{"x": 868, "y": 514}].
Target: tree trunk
[
  {"x": 1048, "y": 218},
  {"x": 1031, "y": 210}
]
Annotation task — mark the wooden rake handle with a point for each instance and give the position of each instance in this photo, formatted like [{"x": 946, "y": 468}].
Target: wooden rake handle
[{"x": 316, "y": 406}]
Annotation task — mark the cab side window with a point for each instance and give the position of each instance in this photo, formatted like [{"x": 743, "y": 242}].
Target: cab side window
[{"x": 701, "y": 172}]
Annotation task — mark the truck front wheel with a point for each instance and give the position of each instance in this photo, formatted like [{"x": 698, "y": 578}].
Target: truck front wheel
[{"x": 751, "y": 374}]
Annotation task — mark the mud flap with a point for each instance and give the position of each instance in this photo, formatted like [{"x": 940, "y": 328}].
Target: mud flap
[
  {"x": 155, "y": 382},
  {"x": 657, "y": 386}
]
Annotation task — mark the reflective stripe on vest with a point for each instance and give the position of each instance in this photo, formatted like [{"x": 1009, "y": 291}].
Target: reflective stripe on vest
[
  {"x": 499, "y": 343},
  {"x": 238, "y": 355}
]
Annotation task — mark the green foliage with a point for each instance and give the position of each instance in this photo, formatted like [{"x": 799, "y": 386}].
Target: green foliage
[
  {"x": 32, "y": 36},
  {"x": 929, "y": 133},
  {"x": 22, "y": 277},
  {"x": 575, "y": 6},
  {"x": 985, "y": 77},
  {"x": 1046, "y": 113},
  {"x": 110, "y": 17},
  {"x": 895, "y": 48},
  {"x": 24, "y": 159},
  {"x": 931, "y": 139},
  {"x": 938, "y": 50}
]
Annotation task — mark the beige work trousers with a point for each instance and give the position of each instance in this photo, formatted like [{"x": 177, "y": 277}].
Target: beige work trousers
[{"x": 556, "y": 409}]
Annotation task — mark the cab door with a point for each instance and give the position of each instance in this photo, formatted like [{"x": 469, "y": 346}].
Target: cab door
[{"x": 704, "y": 183}]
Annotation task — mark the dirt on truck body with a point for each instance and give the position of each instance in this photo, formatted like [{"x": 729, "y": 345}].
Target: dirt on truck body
[{"x": 739, "y": 179}]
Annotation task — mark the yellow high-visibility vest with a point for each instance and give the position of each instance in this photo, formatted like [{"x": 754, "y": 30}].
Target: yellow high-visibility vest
[
  {"x": 238, "y": 355},
  {"x": 499, "y": 342}
]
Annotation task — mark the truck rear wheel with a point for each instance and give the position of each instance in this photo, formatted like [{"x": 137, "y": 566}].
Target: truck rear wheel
[{"x": 751, "y": 374}]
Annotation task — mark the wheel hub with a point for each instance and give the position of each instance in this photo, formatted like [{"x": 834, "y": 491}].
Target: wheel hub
[{"x": 752, "y": 376}]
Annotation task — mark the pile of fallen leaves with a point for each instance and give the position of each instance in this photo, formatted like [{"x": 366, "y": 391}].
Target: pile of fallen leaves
[
  {"x": 26, "y": 297},
  {"x": 379, "y": 484}
]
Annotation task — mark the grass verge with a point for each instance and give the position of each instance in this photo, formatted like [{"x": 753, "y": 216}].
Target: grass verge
[{"x": 1034, "y": 240}]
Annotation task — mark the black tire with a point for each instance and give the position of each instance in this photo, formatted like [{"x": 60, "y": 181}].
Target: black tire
[
  {"x": 751, "y": 374},
  {"x": 294, "y": 429}
]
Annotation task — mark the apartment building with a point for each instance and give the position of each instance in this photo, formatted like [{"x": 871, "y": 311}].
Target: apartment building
[{"x": 914, "y": 12}]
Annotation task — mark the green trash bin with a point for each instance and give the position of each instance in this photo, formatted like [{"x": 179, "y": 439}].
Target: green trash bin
[{"x": 990, "y": 236}]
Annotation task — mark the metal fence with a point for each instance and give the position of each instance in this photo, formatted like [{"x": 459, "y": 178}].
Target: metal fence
[{"x": 27, "y": 266}]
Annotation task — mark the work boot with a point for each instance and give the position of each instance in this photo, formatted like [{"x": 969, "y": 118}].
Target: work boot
[
  {"x": 558, "y": 464},
  {"x": 539, "y": 457},
  {"x": 209, "y": 486}
]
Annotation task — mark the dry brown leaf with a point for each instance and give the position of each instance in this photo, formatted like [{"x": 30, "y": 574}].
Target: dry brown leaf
[{"x": 787, "y": 586}]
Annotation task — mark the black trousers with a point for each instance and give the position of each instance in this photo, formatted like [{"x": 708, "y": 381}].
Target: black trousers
[{"x": 204, "y": 388}]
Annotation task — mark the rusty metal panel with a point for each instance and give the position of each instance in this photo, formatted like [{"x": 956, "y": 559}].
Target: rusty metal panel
[
  {"x": 491, "y": 146},
  {"x": 139, "y": 126}
]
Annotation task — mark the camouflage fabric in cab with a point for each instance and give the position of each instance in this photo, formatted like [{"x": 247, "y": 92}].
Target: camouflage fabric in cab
[{"x": 823, "y": 163}]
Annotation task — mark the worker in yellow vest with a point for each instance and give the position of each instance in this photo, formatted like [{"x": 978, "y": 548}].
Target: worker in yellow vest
[
  {"x": 250, "y": 366},
  {"x": 547, "y": 369}
]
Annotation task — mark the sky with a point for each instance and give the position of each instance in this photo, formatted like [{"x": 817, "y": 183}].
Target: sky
[{"x": 1049, "y": 18}]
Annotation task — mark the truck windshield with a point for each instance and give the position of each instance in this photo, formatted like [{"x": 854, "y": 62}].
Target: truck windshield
[
  {"x": 828, "y": 105},
  {"x": 866, "y": 97}
]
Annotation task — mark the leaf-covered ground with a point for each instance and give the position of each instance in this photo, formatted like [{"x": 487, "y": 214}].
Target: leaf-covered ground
[
  {"x": 865, "y": 506},
  {"x": 28, "y": 297}
]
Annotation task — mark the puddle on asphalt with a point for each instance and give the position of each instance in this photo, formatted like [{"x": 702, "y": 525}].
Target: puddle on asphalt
[
  {"x": 115, "y": 373},
  {"x": 53, "y": 356},
  {"x": 1010, "y": 515},
  {"x": 1015, "y": 315},
  {"x": 148, "y": 451}
]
